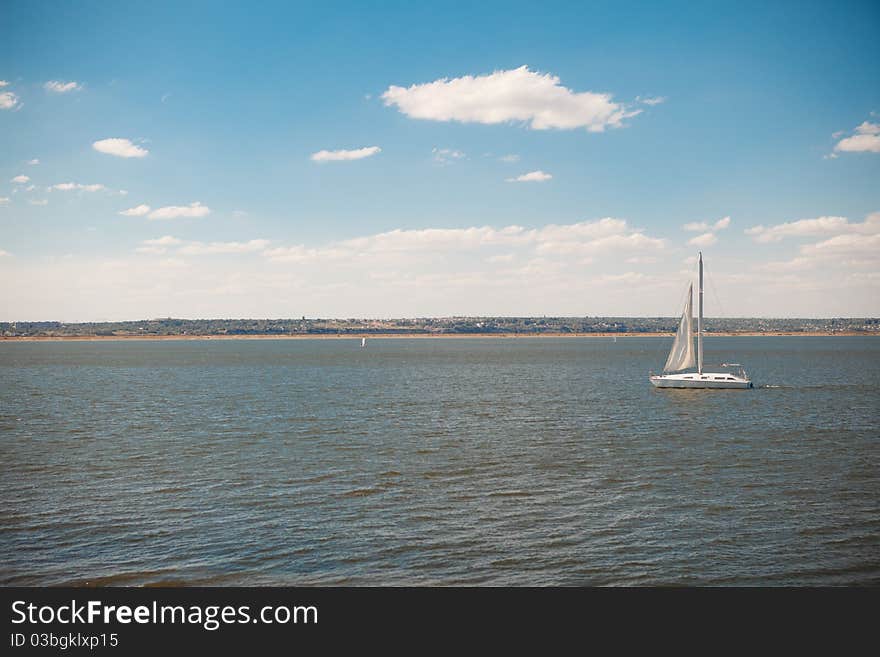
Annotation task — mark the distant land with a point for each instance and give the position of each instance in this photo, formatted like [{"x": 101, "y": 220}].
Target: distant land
[{"x": 432, "y": 327}]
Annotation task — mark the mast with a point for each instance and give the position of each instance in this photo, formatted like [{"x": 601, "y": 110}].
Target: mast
[{"x": 700, "y": 322}]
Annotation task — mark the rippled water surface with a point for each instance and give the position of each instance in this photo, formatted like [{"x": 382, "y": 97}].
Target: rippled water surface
[{"x": 436, "y": 461}]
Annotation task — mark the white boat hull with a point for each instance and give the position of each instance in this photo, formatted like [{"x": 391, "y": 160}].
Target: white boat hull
[{"x": 718, "y": 380}]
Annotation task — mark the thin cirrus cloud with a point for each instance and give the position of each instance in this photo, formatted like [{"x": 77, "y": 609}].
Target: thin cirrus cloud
[
  {"x": 518, "y": 95},
  {"x": 193, "y": 210},
  {"x": 59, "y": 87},
  {"x": 865, "y": 139},
  {"x": 345, "y": 155},
  {"x": 119, "y": 147},
  {"x": 531, "y": 176},
  {"x": 136, "y": 211},
  {"x": 70, "y": 186},
  {"x": 446, "y": 155}
]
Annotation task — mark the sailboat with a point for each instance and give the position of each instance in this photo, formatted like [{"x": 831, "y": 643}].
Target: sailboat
[
  {"x": 681, "y": 356},
  {"x": 363, "y": 342}
]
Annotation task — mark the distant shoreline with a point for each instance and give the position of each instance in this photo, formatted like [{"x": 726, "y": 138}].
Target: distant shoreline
[{"x": 385, "y": 336}]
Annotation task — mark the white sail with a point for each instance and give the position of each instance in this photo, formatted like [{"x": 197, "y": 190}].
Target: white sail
[{"x": 681, "y": 356}]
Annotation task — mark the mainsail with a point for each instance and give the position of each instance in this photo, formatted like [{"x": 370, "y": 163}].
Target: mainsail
[{"x": 681, "y": 356}]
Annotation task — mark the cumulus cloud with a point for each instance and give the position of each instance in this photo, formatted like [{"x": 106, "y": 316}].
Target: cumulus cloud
[
  {"x": 707, "y": 230},
  {"x": 587, "y": 238},
  {"x": 702, "y": 226},
  {"x": 136, "y": 211},
  {"x": 58, "y": 87},
  {"x": 119, "y": 147},
  {"x": 851, "y": 244},
  {"x": 531, "y": 176},
  {"x": 565, "y": 269},
  {"x": 706, "y": 239},
  {"x": 865, "y": 139},
  {"x": 9, "y": 100},
  {"x": 21, "y": 180},
  {"x": 513, "y": 96},
  {"x": 847, "y": 244},
  {"x": 345, "y": 155},
  {"x": 195, "y": 209},
  {"x": 66, "y": 187},
  {"x": 813, "y": 227},
  {"x": 3, "y": 83}
]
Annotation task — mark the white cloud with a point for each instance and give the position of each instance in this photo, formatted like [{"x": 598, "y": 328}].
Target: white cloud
[
  {"x": 165, "y": 240},
  {"x": 66, "y": 187},
  {"x": 21, "y": 180},
  {"x": 845, "y": 245},
  {"x": 853, "y": 245},
  {"x": 865, "y": 140},
  {"x": 211, "y": 248},
  {"x": 814, "y": 227},
  {"x": 4, "y": 200},
  {"x": 174, "y": 211},
  {"x": 136, "y": 211},
  {"x": 567, "y": 269},
  {"x": 33, "y": 162},
  {"x": 58, "y": 87},
  {"x": 344, "y": 155},
  {"x": 3, "y": 83},
  {"x": 446, "y": 155},
  {"x": 587, "y": 238},
  {"x": 702, "y": 226},
  {"x": 39, "y": 202},
  {"x": 161, "y": 245},
  {"x": 532, "y": 176},
  {"x": 119, "y": 148},
  {"x": 706, "y": 239},
  {"x": 4, "y": 253},
  {"x": 509, "y": 159},
  {"x": 656, "y": 100},
  {"x": 513, "y": 96},
  {"x": 9, "y": 101}
]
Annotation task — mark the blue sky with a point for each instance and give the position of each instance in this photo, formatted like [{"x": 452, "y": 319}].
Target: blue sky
[{"x": 767, "y": 115}]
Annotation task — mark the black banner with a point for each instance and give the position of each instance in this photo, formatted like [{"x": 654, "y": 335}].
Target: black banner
[{"x": 126, "y": 620}]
